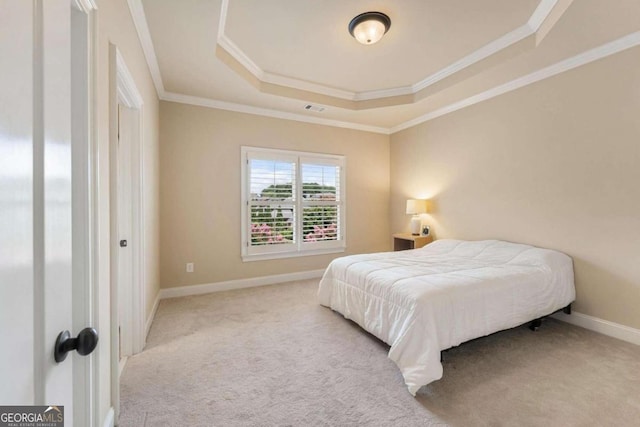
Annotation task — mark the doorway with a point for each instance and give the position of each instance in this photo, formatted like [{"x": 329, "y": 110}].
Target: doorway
[{"x": 126, "y": 221}]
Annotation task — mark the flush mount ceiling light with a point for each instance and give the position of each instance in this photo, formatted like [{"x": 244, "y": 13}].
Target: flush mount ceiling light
[{"x": 369, "y": 27}]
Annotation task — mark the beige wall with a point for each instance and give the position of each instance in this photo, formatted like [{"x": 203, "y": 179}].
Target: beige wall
[
  {"x": 554, "y": 164},
  {"x": 200, "y": 197},
  {"x": 115, "y": 25}
]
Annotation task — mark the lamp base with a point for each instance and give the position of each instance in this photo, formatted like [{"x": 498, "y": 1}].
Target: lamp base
[{"x": 416, "y": 223}]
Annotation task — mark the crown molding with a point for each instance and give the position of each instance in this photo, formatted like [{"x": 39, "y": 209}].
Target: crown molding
[
  {"x": 484, "y": 52},
  {"x": 540, "y": 14},
  {"x": 266, "y": 77},
  {"x": 222, "y": 22},
  {"x": 140, "y": 22},
  {"x": 308, "y": 86},
  {"x": 542, "y": 11},
  {"x": 266, "y": 112},
  {"x": 383, "y": 93},
  {"x": 608, "y": 49},
  {"x": 228, "y": 45}
]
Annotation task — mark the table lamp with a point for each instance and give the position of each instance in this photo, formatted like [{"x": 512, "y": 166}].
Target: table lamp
[{"x": 415, "y": 208}]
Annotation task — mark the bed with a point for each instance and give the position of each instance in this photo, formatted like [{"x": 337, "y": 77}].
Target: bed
[{"x": 426, "y": 300}]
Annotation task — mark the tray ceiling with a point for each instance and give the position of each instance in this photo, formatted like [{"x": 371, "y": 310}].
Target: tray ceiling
[
  {"x": 273, "y": 57},
  {"x": 425, "y": 37}
]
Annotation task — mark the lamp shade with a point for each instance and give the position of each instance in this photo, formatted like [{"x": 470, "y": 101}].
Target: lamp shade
[{"x": 415, "y": 207}]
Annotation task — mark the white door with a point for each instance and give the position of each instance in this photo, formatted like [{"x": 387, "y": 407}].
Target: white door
[
  {"x": 36, "y": 204},
  {"x": 125, "y": 260}
]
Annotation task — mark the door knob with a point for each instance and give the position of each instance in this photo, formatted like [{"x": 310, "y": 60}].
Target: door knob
[{"x": 84, "y": 344}]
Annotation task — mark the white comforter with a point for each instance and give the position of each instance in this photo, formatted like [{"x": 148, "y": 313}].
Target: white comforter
[{"x": 426, "y": 300}]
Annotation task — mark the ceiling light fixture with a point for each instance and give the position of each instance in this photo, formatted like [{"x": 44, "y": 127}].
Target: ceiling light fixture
[{"x": 369, "y": 27}]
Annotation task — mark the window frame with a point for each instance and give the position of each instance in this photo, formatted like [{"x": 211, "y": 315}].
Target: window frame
[{"x": 299, "y": 247}]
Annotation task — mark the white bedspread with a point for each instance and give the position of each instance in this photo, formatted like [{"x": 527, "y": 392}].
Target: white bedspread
[{"x": 430, "y": 299}]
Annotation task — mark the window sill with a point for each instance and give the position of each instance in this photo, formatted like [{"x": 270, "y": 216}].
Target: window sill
[{"x": 280, "y": 255}]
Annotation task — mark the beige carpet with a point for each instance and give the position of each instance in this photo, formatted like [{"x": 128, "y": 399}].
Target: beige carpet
[{"x": 272, "y": 356}]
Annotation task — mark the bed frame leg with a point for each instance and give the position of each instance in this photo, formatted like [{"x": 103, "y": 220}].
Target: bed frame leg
[
  {"x": 567, "y": 309},
  {"x": 442, "y": 356},
  {"x": 535, "y": 324}
]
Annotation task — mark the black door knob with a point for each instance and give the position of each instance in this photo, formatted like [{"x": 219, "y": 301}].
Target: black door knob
[{"x": 84, "y": 344}]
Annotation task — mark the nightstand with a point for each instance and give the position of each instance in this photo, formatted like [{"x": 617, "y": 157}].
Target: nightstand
[{"x": 404, "y": 241}]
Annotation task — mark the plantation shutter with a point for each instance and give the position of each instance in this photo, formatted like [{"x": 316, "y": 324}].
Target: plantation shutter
[
  {"x": 272, "y": 202},
  {"x": 293, "y": 204},
  {"x": 321, "y": 201}
]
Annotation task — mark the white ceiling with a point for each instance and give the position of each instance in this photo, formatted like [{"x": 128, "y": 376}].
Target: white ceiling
[
  {"x": 273, "y": 57},
  {"x": 289, "y": 38}
]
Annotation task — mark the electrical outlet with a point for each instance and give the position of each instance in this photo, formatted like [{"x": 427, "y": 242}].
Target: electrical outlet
[{"x": 189, "y": 267}]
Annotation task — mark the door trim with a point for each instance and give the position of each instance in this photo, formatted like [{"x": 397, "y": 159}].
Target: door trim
[
  {"x": 124, "y": 91},
  {"x": 129, "y": 96},
  {"x": 85, "y": 6},
  {"x": 85, "y": 248},
  {"x": 109, "y": 420}
]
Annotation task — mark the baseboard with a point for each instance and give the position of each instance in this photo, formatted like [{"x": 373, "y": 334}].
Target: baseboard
[
  {"x": 604, "y": 327},
  {"x": 181, "y": 291},
  {"x": 109, "y": 420},
  {"x": 152, "y": 315},
  {"x": 121, "y": 364}
]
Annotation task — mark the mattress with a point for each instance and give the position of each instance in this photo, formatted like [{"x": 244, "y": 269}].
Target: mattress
[{"x": 426, "y": 300}]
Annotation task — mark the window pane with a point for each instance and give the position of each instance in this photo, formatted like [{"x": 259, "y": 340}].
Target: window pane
[
  {"x": 320, "y": 223},
  {"x": 272, "y": 225},
  {"x": 272, "y": 180},
  {"x": 292, "y": 203},
  {"x": 320, "y": 182}
]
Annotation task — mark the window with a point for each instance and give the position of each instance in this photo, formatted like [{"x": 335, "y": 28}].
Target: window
[{"x": 292, "y": 204}]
